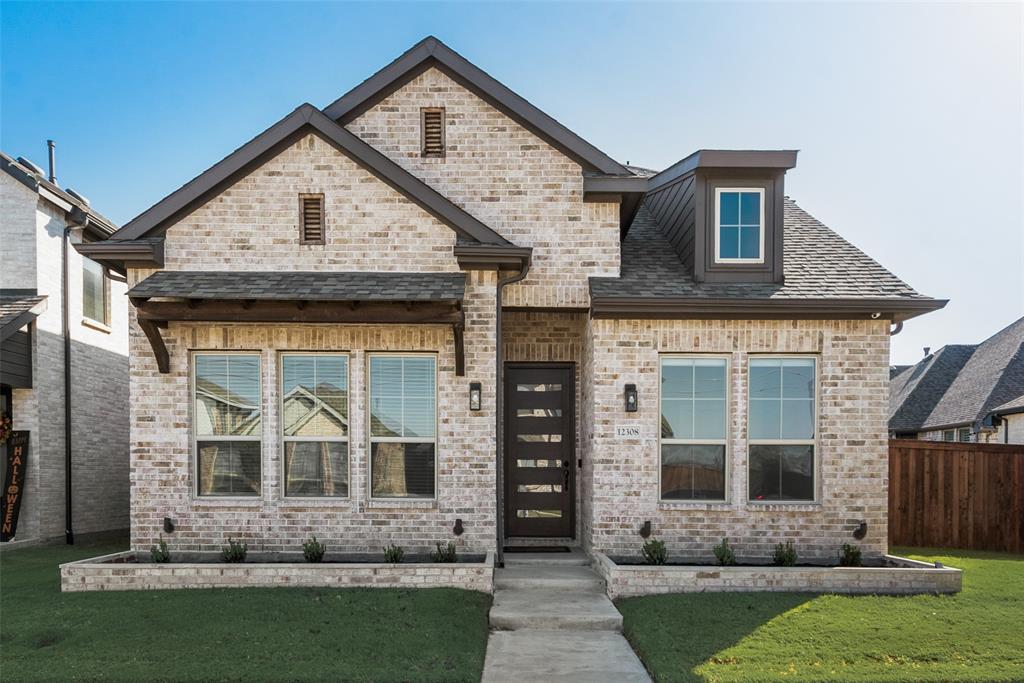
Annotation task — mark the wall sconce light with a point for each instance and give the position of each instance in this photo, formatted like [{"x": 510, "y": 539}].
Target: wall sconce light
[
  {"x": 861, "y": 531},
  {"x": 474, "y": 395},
  {"x": 458, "y": 528},
  {"x": 168, "y": 525},
  {"x": 645, "y": 530},
  {"x": 631, "y": 398}
]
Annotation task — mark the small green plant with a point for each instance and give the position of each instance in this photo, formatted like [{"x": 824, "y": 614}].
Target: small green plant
[
  {"x": 393, "y": 554},
  {"x": 159, "y": 552},
  {"x": 724, "y": 553},
  {"x": 849, "y": 555},
  {"x": 785, "y": 554},
  {"x": 654, "y": 552},
  {"x": 234, "y": 551},
  {"x": 444, "y": 553},
  {"x": 313, "y": 550}
]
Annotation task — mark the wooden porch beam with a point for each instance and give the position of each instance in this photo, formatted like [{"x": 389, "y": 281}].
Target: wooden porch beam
[
  {"x": 151, "y": 328},
  {"x": 420, "y": 313}
]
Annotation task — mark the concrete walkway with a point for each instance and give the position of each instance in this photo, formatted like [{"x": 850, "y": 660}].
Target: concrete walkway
[{"x": 552, "y": 621}]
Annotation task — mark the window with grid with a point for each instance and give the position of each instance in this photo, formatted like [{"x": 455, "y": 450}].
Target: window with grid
[
  {"x": 227, "y": 423},
  {"x": 311, "y": 218},
  {"x": 739, "y": 225},
  {"x": 694, "y": 410},
  {"x": 963, "y": 434},
  {"x": 403, "y": 434},
  {"x": 782, "y": 430},
  {"x": 314, "y": 424},
  {"x": 432, "y": 131}
]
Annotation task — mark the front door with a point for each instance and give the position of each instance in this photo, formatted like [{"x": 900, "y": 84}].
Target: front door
[{"x": 540, "y": 428}]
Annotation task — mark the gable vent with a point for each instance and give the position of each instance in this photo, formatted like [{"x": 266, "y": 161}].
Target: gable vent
[
  {"x": 311, "y": 219},
  {"x": 433, "y": 131}
]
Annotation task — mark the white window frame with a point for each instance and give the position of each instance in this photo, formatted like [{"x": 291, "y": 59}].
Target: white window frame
[
  {"x": 370, "y": 438},
  {"x": 105, "y": 293},
  {"x": 699, "y": 442},
  {"x": 718, "y": 225},
  {"x": 195, "y": 434},
  {"x": 334, "y": 439},
  {"x": 816, "y": 457}
]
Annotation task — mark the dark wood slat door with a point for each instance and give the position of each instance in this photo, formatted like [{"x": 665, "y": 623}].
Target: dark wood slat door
[{"x": 540, "y": 428}]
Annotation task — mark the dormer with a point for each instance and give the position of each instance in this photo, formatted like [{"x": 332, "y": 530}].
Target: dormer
[{"x": 722, "y": 212}]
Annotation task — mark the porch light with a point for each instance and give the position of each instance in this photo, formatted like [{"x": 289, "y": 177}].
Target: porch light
[
  {"x": 861, "y": 531},
  {"x": 474, "y": 395},
  {"x": 645, "y": 530},
  {"x": 168, "y": 525},
  {"x": 631, "y": 398},
  {"x": 458, "y": 528}
]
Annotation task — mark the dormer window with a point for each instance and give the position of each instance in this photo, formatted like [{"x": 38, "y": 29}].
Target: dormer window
[{"x": 739, "y": 225}]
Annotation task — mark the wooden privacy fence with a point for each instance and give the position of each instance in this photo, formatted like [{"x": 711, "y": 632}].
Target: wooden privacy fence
[{"x": 956, "y": 495}]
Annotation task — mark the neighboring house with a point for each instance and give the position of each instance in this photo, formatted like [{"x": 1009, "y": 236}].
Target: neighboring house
[
  {"x": 36, "y": 218},
  {"x": 963, "y": 392},
  {"x": 430, "y": 302}
]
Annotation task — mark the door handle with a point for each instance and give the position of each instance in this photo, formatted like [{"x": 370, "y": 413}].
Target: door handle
[{"x": 566, "y": 472}]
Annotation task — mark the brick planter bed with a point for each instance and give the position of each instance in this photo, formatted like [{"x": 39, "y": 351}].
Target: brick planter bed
[
  {"x": 897, "y": 575},
  {"x": 122, "y": 571}
]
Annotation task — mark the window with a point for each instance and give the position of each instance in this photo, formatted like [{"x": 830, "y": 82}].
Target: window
[
  {"x": 739, "y": 225},
  {"x": 95, "y": 292},
  {"x": 949, "y": 435},
  {"x": 227, "y": 423},
  {"x": 694, "y": 409},
  {"x": 963, "y": 434},
  {"x": 314, "y": 424},
  {"x": 311, "y": 219},
  {"x": 432, "y": 131},
  {"x": 403, "y": 412},
  {"x": 782, "y": 429}
]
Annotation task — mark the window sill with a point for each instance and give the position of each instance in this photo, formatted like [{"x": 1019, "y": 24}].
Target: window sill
[
  {"x": 323, "y": 502},
  {"x": 226, "y": 502},
  {"x": 96, "y": 325},
  {"x": 781, "y": 505},
  {"x": 694, "y": 505},
  {"x": 416, "y": 503}
]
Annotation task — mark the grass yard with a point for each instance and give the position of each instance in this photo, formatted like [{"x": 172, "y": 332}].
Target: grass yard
[
  {"x": 252, "y": 635},
  {"x": 976, "y": 635}
]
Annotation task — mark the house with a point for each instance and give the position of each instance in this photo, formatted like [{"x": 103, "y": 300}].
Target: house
[
  {"x": 963, "y": 392},
  {"x": 63, "y": 364},
  {"x": 430, "y": 311}
]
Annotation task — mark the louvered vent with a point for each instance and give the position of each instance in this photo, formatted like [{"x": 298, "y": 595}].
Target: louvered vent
[
  {"x": 433, "y": 132},
  {"x": 312, "y": 219}
]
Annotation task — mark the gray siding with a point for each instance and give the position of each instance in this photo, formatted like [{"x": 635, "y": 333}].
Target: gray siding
[
  {"x": 674, "y": 208},
  {"x": 16, "y": 360}
]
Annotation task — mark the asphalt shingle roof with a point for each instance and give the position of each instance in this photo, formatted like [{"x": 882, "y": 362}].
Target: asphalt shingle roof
[
  {"x": 818, "y": 264},
  {"x": 914, "y": 393},
  {"x": 1014, "y": 406},
  {"x": 12, "y": 307},
  {"x": 322, "y": 286}
]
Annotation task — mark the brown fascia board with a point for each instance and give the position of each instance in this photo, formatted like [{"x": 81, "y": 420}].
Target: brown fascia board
[
  {"x": 306, "y": 118},
  {"x": 121, "y": 255},
  {"x": 724, "y": 158},
  {"x": 432, "y": 52},
  {"x": 674, "y": 308},
  {"x": 491, "y": 257},
  {"x": 22, "y": 319}
]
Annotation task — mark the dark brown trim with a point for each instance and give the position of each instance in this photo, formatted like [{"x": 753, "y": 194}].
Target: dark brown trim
[
  {"x": 677, "y": 308},
  {"x": 432, "y": 52},
  {"x": 152, "y": 331},
  {"x": 119, "y": 256},
  {"x": 724, "y": 158},
  {"x": 424, "y": 151},
  {"x": 298, "y": 311},
  {"x": 24, "y": 318},
  {"x": 614, "y": 185},
  {"x": 491, "y": 257},
  {"x": 305, "y": 119},
  {"x": 303, "y": 196}
]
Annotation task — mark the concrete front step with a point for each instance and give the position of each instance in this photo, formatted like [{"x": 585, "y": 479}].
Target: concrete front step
[
  {"x": 575, "y": 558},
  {"x": 565, "y": 577},
  {"x": 561, "y": 657},
  {"x": 552, "y": 608}
]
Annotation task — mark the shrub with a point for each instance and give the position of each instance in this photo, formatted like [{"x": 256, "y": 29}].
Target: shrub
[
  {"x": 724, "y": 554},
  {"x": 313, "y": 550},
  {"x": 654, "y": 552},
  {"x": 234, "y": 551},
  {"x": 444, "y": 553},
  {"x": 159, "y": 552},
  {"x": 785, "y": 555},
  {"x": 849, "y": 555},
  {"x": 393, "y": 554}
]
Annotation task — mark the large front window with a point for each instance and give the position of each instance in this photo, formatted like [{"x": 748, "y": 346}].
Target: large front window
[
  {"x": 403, "y": 434},
  {"x": 694, "y": 409},
  {"x": 782, "y": 419},
  {"x": 314, "y": 422},
  {"x": 227, "y": 423},
  {"x": 739, "y": 225}
]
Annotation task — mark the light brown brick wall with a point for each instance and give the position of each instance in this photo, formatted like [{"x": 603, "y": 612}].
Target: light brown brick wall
[
  {"x": 852, "y": 445},
  {"x": 507, "y": 177}
]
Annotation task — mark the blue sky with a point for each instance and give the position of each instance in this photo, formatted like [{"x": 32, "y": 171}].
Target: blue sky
[{"x": 909, "y": 118}]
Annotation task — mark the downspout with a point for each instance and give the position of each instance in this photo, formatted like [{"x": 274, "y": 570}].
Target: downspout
[
  {"x": 499, "y": 406},
  {"x": 69, "y": 534}
]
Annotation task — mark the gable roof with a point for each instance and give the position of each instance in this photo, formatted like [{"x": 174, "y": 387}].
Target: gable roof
[
  {"x": 914, "y": 392},
  {"x": 431, "y": 52},
  {"x": 822, "y": 270},
  {"x": 1010, "y": 407},
  {"x": 18, "y": 310},
  {"x": 305, "y": 119}
]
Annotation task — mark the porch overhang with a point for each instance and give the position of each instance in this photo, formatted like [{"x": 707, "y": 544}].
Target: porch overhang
[{"x": 299, "y": 298}]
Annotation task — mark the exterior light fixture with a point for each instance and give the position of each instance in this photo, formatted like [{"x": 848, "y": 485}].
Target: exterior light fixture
[
  {"x": 631, "y": 398},
  {"x": 474, "y": 395},
  {"x": 168, "y": 525},
  {"x": 645, "y": 530},
  {"x": 861, "y": 531},
  {"x": 458, "y": 528}
]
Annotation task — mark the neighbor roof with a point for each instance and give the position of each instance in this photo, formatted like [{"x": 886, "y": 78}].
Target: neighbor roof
[
  {"x": 305, "y": 119},
  {"x": 1014, "y": 406},
  {"x": 431, "y": 52},
  {"x": 819, "y": 266},
  {"x": 914, "y": 392},
  {"x": 16, "y": 311},
  {"x": 312, "y": 286}
]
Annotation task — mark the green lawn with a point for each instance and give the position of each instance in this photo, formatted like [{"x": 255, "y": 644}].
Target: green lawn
[
  {"x": 976, "y": 635},
  {"x": 257, "y": 634}
]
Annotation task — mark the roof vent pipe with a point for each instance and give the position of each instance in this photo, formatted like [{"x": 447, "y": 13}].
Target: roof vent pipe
[
  {"x": 927, "y": 351},
  {"x": 52, "y": 147}
]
